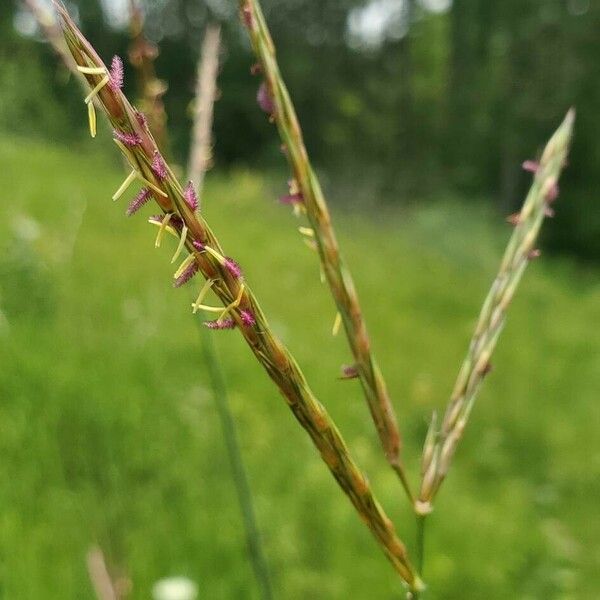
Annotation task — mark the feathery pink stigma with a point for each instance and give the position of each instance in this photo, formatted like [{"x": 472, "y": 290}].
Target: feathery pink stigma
[
  {"x": 349, "y": 372},
  {"x": 141, "y": 118},
  {"x": 248, "y": 318},
  {"x": 199, "y": 246},
  {"x": 233, "y": 267},
  {"x": 548, "y": 212},
  {"x": 158, "y": 166},
  {"x": 255, "y": 69},
  {"x": 533, "y": 254},
  {"x": 552, "y": 193},
  {"x": 531, "y": 166},
  {"x": 291, "y": 199},
  {"x": 514, "y": 219},
  {"x": 247, "y": 14},
  {"x": 142, "y": 198},
  {"x": 186, "y": 275},
  {"x": 223, "y": 324},
  {"x": 116, "y": 74},
  {"x": 264, "y": 99},
  {"x": 129, "y": 139},
  {"x": 190, "y": 196}
]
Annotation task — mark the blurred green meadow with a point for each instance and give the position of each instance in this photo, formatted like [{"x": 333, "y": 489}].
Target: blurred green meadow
[{"x": 109, "y": 434}]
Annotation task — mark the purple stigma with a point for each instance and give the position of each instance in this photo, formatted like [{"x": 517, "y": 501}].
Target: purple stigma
[
  {"x": 552, "y": 193},
  {"x": 141, "y": 118},
  {"x": 349, "y": 372},
  {"x": 292, "y": 199},
  {"x": 264, "y": 99},
  {"x": 247, "y": 14},
  {"x": 531, "y": 166},
  {"x": 158, "y": 166},
  {"x": 233, "y": 267},
  {"x": 142, "y": 198},
  {"x": 198, "y": 246},
  {"x": 116, "y": 74},
  {"x": 220, "y": 324},
  {"x": 186, "y": 275},
  {"x": 191, "y": 198},
  {"x": 248, "y": 318},
  {"x": 129, "y": 139}
]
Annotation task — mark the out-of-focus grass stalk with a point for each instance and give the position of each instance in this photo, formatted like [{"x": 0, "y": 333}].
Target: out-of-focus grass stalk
[
  {"x": 206, "y": 92},
  {"x": 240, "y": 478},
  {"x": 99, "y": 576},
  {"x": 207, "y": 255},
  {"x": 336, "y": 272},
  {"x": 440, "y": 445},
  {"x": 51, "y": 30},
  {"x": 208, "y": 69},
  {"x": 142, "y": 55}
]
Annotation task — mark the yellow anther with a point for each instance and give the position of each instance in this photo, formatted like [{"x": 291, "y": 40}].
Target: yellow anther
[
  {"x": 151, "y": 185},
  {"x": 214, "y": 253},
  {"x": 207, "y": 285},
  {"x": 181, "y": 244},
  {"x": 215, "y": 309},
  {"x": 92, "y": 119},
  {"x": 311, "y": 244},
  {"x": 95, "y": 91},
  {"x": 184, "y": 265},
  {"x": 124, "y": 150},
  {"x": 168, "y": 228},
  {"x": 299, "y": 209},
  {"x": 159, "y": 236},
  {"x": 128, "y": 181},
  {"x": 307, "y": 231},
  {"x": 234, "y": 304},
  {"x": 91, "y": 70},
  {"x": 224, "y": 311},
  {"x": 336, "y": 324}
]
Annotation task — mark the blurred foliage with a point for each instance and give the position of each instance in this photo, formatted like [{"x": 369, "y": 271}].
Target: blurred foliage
[
  {"x": 108, "y": 434},
  {"x": 429, "y": 100}
]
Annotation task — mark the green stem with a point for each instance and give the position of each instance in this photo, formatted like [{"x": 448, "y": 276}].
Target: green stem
[
  {"x": 421, "y": 543},
  {"x": 240, "y": 478}
]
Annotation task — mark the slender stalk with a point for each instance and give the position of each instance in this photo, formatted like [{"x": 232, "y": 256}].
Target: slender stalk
[
  {"x": 237, "y": 296},
  {"x": 421, "y": 543},
  {"x": 206, "y": 90},
  {"x": 240, "y": 478},
  {"x": 102, "y": 582},
  {"x": 51, "y": 30},
  {"x": 336, "y": 272}
]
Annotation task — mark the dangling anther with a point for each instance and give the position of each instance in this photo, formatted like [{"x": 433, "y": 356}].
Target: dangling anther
[
  {"x": 336, "y": 324},
  {"x": 205, "y": 288},
  {"x": 92, "y": 119},
  {"x": 161, "y": 233},
  {"x": 128, "y": 181},
  {"x": 158, "y": 222},
  {"x": 234, "y": 304},
  {"x": 181, "y": 244},
  {"x": 307, "y": 231},
  {"x": 91, "y": 70},
  {"x": 95, "y": 91}
]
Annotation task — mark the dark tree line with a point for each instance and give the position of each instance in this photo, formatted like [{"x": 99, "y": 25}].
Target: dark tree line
[{"x": 445, "y": 101}]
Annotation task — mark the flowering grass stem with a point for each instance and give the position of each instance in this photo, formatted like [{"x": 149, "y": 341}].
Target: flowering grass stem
[{"x": 273, "y": 98}]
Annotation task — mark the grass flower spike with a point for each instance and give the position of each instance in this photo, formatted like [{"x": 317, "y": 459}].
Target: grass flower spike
[
  {"x": 273, "y": 98},
  {"x": 519, "y": 252}
]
